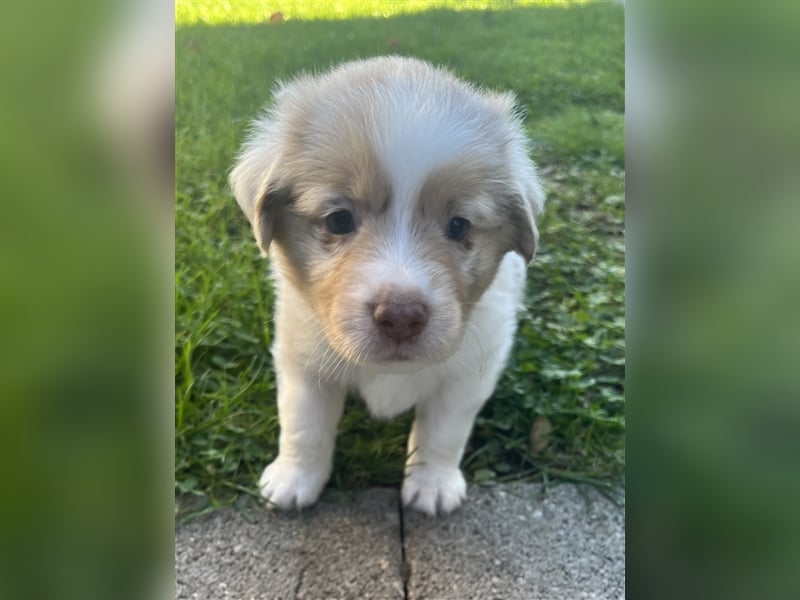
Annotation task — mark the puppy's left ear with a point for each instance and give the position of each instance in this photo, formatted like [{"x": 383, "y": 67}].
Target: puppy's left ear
[
  {"x": 526, "y": 207},
  {"x": 527, "y": 199}
]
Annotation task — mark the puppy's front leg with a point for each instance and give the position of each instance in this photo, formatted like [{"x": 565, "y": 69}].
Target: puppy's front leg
[
  {"x": 308, "y": 414},
  {"x": 433, "y": 482}
]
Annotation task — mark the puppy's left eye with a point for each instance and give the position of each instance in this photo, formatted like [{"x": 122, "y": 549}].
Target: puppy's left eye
[
  {"x": 457, "y": 229},
  {"x": 340, "y": 222}
]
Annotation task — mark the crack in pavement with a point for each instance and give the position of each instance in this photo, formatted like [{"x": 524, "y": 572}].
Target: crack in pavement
[
  {"x": 300, "y": 576},
  {"x": 405, "y": 565}
]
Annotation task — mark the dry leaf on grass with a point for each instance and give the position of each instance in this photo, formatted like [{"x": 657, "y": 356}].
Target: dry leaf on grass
[{"x": 540, "y": 435}]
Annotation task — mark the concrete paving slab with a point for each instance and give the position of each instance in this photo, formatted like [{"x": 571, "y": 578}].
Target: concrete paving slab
[
  {"x": 333, "y": 550},
  {"x": 511, "y": 542}
]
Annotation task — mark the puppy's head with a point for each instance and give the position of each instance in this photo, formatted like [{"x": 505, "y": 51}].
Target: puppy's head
[{"x": 389, "y": 191}]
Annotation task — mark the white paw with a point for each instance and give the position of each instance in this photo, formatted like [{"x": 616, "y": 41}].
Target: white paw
[
  {"x": 433, "y": 489},
  {"x": 288, "y": 485}
]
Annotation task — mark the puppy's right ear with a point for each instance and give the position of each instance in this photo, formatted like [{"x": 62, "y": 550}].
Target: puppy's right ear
[{"x": 255, "y": 187}]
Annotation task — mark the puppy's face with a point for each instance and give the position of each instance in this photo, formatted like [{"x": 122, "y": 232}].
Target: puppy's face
[{"x": 390, "y": 192}]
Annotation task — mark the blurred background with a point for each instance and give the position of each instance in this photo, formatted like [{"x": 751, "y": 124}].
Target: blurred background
[
  {"x": 86, "y": 318},
  {"x": 713, "y": 272},
  {"x": 713, "y": 286}
]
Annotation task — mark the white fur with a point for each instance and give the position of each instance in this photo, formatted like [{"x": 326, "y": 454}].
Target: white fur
[{"x": 416, "y": 118}]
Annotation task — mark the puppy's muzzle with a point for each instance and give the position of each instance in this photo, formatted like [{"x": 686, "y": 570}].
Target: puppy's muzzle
[{"x": 400, "y": 319}]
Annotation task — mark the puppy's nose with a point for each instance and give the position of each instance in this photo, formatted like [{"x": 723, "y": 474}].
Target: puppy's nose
[{"x": 400, "y": 320}]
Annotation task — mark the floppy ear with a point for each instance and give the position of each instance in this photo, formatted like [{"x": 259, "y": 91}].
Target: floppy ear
[
  {"x": 527, "y": 206},
  {"x": 254, "y": 183},
  {"x": 527, "y": 199}
]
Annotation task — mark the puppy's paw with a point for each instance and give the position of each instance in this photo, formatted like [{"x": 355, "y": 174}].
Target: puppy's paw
[
  {"x": 433, "y": 489},
  {"x": 287, "y": 485}
]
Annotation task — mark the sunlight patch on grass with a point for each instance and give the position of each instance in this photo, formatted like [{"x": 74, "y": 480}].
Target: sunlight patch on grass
[{"x": 190, "y": 12}]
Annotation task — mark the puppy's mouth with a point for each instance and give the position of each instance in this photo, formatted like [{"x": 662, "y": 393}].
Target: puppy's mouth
[
  {"x": 400, "y": 359},
  {"x": 400, "y": 353},
  {"x": 379, "y": 350},
  {"x": 412, "y": 353},
  {"x": 376, "y": 350}
]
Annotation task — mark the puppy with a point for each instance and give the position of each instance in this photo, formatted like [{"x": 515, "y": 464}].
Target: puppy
[{"x": 398, "y": 206}]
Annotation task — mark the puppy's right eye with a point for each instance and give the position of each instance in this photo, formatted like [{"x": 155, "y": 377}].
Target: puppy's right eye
[
  {"x": 340, "y": 222},
  {"x": 457, "y": 229}
]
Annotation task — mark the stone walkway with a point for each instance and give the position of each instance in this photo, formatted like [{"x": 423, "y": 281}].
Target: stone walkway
[{"x": 507, "y": 542}]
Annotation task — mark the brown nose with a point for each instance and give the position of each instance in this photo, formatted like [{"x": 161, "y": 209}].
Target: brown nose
[{"x": 400, "y": 320}]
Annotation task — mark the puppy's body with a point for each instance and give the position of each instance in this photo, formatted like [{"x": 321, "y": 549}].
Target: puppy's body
[{"x": 398, "y": 202}]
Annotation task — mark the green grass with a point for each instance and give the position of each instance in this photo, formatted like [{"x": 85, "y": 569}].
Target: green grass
[{"x": 566, "y": 65}]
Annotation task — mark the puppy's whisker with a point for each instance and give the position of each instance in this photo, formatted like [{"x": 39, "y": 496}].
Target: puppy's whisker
[{"x": 332, "y": 365}]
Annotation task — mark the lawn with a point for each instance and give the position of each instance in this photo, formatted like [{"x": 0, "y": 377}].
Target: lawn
[{"x": 558, "y": 411}]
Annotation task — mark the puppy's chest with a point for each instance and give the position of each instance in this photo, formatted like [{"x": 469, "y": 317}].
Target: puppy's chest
[{"x": 388, "y": 394}]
